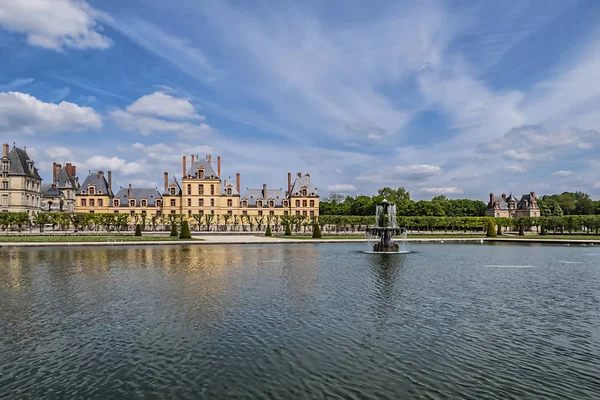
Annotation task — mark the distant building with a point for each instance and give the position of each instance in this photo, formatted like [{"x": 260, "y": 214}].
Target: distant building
[
  {"x": 137, "y": 201},
  {"x": 20, "y": 182},
  {"x": 60, "y": 195},
  {"x": 95, "y": 193},
  {"x": 510, "y": 207}
]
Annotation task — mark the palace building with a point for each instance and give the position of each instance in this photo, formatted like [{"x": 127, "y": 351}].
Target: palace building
[
  {"x": 20, "y": 182},
  {"x": 61, "y": 194},
  {"x": 510, "y": 207}
]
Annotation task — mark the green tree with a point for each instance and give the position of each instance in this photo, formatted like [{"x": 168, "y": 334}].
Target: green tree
[
  {"x": 491, "y": 228},
  {"x": 185, "y": 231},
  {"x": 288, "y": 231},
  {"x": 174, "y": 230},
  {"x": 138, "y": 230},
  {"x": 316, "y": 234},
  {"x": 268, "y": 231}
]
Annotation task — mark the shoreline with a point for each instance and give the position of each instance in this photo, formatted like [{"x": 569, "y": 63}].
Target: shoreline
[{"x": 236, "y": 240}]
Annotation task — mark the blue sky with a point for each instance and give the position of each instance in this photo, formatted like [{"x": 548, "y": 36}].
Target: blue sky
[{"x": 442, "y": 97}]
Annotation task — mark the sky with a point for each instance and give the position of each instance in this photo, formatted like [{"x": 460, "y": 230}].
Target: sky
[{"x": 460, "y": 98}]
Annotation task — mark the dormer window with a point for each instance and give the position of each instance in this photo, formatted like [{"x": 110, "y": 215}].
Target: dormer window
[
  {"x": 259, "y": 203},
  {"x": 228, "y": 191},
  {"x": 200, "y": 173},
  {"x": 158, "y": 203},
  {"x": 244, "y": 203},
  {"x": 285, "y": 203},
  {"x": 91, "y": 189},
  {"x": 144, "y": 203},
  {"x": 132, "y": 203},
  {"x": 116, "y": 203},
  {"x": 271, "y": 203},
  {"x": 172, "y": 191},
  {"x": 304, "y": 192},
  {"x": 99, "y": 191}
]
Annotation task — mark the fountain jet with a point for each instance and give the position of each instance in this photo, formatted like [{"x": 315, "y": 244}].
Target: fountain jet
[{"x": 385, "y": 228}]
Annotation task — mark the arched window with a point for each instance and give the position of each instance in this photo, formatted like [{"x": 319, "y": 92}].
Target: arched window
[
  {"x": 132, "y": 203},
  {"x": 244, "y": 203},
  {"x": 144, "y": 203},
  {"x": 285, "y": 203},
  {"x": 271, "y": 203},
  {"x": 259, "y": 203},
  {"x": 158, "y": 203}
]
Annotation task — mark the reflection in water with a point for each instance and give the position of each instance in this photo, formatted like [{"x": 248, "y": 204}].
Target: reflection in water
[{"x": 299, "y": 321}]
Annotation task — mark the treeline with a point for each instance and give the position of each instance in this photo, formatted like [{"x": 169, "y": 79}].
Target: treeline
[
  {"x": 439, "y": 206},
  {"x": 568, "y": 203}
]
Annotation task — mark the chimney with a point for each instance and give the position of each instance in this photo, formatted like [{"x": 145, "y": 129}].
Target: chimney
[
  {"x": 219, "y": 166},
  {"x": 129, "y": 191},
  {"x": 74, "y": 169},
  {"x": 109, "y": 181},
  {"x": 100, "y": 174},
  {"x": 491, "y": 199},
  {"x": 237, "y": 183},
  {"x": 532, "y": 195},
  {"x": 54, "y": 174},
  {"x": 184, "y": 167},
  {"x": 299, "y": 174},
  {"x": 192, "y": 160},
  {"x": 166, "y": 180},
  {"x": 5, "y": 150},
  {"x": 69, "y": 169},
  {"x": 504, "y": 196},
  {"x": 265, "y": 191},
  {"x": 289, "y": 191},
  {"x": 208, "y": 158}
]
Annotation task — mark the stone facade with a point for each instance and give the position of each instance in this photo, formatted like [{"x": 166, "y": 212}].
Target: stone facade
[
  {"x": 510, "y": 207},
  {"x": 20, "y": 182},
  {"x": 61, "y": 194}
]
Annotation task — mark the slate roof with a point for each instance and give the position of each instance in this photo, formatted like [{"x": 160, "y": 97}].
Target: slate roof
[
  {"x": 503, "y": 205},
  {"x": 137, "y": 193},
  {"x": 525, "y": 202},
  {"x": 299, "y": 183},
  {"x": 173, "y": 181},
  {"x": 208, "y": 169},
  {"x": 234, "y": 191},
  {"x": 252, "y": 195},
  {"x": 511, "y": 198},
  {"x": 99, "y": 180},
  {"x": 49, "y": 192},
  {"x": 19, "y": 164},
  {"x": 65, "y": 181}
]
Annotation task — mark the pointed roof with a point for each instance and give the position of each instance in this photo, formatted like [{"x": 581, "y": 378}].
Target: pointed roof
[
  {"x": 208, "y": 169},
  {"x": 511, "y": 198},
  {"x": 66, "y": 181},
  {"x": 172, "y": 182},
  {"x": 98, "y": 180},
  {"x": 21, "y": 164},
  {"x": 300, "y": 182}
]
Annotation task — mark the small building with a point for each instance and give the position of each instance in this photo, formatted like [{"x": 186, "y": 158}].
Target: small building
[
  {"x": 61, "y": 194},
  {"x": 95, "y": 193},
  {"x": 20, "y": 182},
  {"x": 510, "y": 207}
]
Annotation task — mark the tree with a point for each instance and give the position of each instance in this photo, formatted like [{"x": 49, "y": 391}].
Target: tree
[
  {"x": 316, "y": 234},
  {"x": 491, "y": 229},
  {"x": 268, "y": 232},
  {"x": 174, "y": 230},
  {"x": 138, "y": 230},
  {"x": 185, "y": 231},
  {"x": 41, "y": 219},
  {"x": 288, "y": 231}
]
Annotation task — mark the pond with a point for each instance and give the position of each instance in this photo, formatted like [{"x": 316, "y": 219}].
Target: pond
[{"x": 477, "y": 321}]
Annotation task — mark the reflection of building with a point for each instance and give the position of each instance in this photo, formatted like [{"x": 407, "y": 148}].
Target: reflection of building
[
  {"x": 60, "y": 196},
  {"x": 510, "y": 207},
  {"x": 200, "y": 191},
  {"x": 20, "y": 182}
]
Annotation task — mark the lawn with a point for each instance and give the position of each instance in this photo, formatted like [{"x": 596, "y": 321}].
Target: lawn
[{"x": 75, "y": 238}]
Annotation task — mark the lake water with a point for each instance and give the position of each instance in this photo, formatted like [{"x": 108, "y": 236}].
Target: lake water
[{"x": 301, "y": 321}]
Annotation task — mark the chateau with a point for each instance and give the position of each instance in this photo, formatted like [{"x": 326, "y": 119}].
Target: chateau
[
  {"x": 198, "y": 191},
  {"x": 510, "y": 207}
]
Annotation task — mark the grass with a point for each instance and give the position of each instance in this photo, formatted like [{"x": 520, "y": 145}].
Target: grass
[{"x": 75, "y": 238}]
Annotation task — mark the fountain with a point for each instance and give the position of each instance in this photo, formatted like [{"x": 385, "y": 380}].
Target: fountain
[{"x": 385, "y": 228}]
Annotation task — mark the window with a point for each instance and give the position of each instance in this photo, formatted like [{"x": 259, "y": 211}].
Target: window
[
  {"x": 143, "y": 212},
  {"x": 297, "y": 203},
  {"x": 189, "y": 212},
  {"x": 91, "y": 190},
  {"x": 172, "y": 203},
  {"x": 200, "y": 173},
  {"x": 228, "y": 191},
  {"x": 159, "y": 213},
  {"x": 172, "y": 191},
  {"x": 172, "y": 211},
  {"x": 312, "y": 203},
  {"x": 158, "y": 203},
  {"x": 4, "y": 165},
  {"x": 244, "y": 203},
  {"x": 200, "y": 190},
  {"x": 212, "y": 212},
  {"x": 4, "y": 185},
  {"x": 285, "y": 212},
  {"x": 91, "y": 211},
  {"x": 244, "y": 212},
  {"x": 92, "y": 203},
  {"x": 312, "y": 213},
  {"x": 271, "y": 203},
  {"x": 303, "y": 212},
  {"x": 200, "y": 202},
  {"x": 297, "y": 212},
  {"x": 271, "y": 212},
  {"x": 83, "y": 203},
  {"x": 285, "y": 203},
  {"x": 201, "y": 212},
  {"x": 100, "y": 203},
  {"x": 212, "y": 202},
  {"x": 259, "y": 203},
  {"x": 189, "y": 202},
  {"x": 304, "y": 193},
  {"x": 116, "y": 203},
  {"x": 189, "y": 189},
  {"x": 212, "y": 190},
  {"x": 229, "y": 202},
  {"x": 229, "y": 212},
  {"x": 116, "y": 212},
  {"x": 304, "y": 203},
  {"x": 132, "y": 213},
  {"x": 259, "y": 212}
]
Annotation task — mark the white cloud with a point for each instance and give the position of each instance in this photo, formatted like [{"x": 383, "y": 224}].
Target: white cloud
[
  {"x": 418, "y": 171},
  {"x": 442, "y": 190},
  {"x": 24, "y": 114},
  {"x": 147, "y": 125},
  {"x": 516, "y": 168},
  {"x": 114, "y": 164},
  {"x": 163, "y": 105},
  {"x": 342, "y": 187},
  {"x": 562, "y": 173},
  {"x": 59, "y": 153},
  {"x": 55, "y": 24}
]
